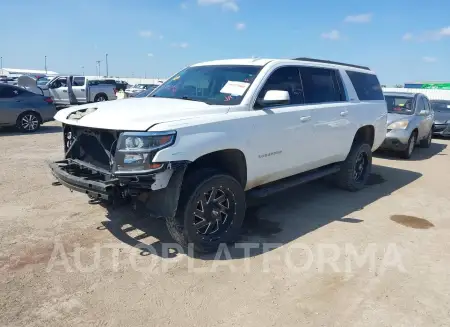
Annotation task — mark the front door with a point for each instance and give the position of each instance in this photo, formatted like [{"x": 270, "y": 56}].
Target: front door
[
  {"x": 281, "y": 142},
  {"x": 424, "y": 115},
  {"x": 59, "y": 92}
]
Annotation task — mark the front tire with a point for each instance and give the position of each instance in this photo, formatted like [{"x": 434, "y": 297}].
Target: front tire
[
  {"x": 28, "y": 122},
  {"x": 406, "y": 154},
  {"x": 356, "y": 168},
  {"x": 427, "y": 142},
  {"x": 211, "y": 211}
]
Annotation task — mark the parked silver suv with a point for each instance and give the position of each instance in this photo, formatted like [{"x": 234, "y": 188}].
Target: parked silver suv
[{"x": 410, "y": 122}]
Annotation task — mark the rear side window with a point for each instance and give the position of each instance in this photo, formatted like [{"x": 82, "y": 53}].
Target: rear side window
[
  {"x": 321, "y": 85},
  {"x": 78, "y": 81},
  {"x": 367, "y": 86}
]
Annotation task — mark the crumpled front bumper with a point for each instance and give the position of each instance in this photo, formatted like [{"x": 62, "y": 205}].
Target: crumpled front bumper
[
  {"x": 160, "y": 191},
  {"x": 88, "y": 182}
]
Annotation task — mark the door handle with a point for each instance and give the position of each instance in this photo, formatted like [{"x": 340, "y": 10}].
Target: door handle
[
  {"x": 304, "y": 119},
  {"x": 65, "y": 91},
  {"x": 344, "y": 113},
  {"x": 82, "y": 90}
]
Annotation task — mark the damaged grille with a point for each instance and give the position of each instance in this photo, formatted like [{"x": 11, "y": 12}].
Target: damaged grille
[{"x": 94, "y": 146}]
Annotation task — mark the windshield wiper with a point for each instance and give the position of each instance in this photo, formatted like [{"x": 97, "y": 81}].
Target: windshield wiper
[{"x": 191, "y": 99}]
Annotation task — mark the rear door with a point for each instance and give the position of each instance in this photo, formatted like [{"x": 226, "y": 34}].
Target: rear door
[
  {"x": 11, "y": 104},
  {"x": 79, "y": 88},
  {"x": 332, "y": 130}
]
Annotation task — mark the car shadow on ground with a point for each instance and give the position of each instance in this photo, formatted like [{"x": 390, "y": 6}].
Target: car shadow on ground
[
  {"x": 44, "y": 129},
  {"x": 278, "y": 220},
  {"x": 418, "y": 154}
]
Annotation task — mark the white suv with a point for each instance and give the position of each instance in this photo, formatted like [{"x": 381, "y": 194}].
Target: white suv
[{"x": 219, "y": 133}]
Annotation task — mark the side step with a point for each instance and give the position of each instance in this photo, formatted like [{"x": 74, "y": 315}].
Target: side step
[{"x": 285, "y": 183}]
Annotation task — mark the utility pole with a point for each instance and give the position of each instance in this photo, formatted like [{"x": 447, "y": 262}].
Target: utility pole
[
  {"x": 1, "y": 64},
  {"x": 45, "y": 64},
  {"x": 98, "y": 67},
  {"x": 106, "y": 63},
  {"x": 82, "y": 69}
]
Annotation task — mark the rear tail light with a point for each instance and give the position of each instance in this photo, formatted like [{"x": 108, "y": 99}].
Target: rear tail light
[{"x": 48, "y": 100}]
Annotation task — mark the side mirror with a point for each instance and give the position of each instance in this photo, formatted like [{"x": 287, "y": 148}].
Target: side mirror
[
  {"x": 423, "y": 113},
  {"x": 275, "y": 97}
]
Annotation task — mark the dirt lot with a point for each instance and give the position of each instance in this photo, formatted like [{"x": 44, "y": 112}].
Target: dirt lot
[{"x": 64, "y": 262}]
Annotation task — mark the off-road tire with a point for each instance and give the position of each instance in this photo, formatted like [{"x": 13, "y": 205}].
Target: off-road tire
[
  {"x": 406, "y": 154},
  {"x": 28, "y": 122},
  {"x": 194, "y": 188},
  {"x": 345, "y": 178},
  {"x": 426, "y": 143}
]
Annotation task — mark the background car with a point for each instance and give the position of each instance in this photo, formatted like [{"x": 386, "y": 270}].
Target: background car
[
  {"x": 135, "y": 89},
  {"x": 24, "y": 109},
  {"x": 441, "y": 110},
  {"x": 145, "y": 93},
  {"x": 410, "y": 121}
]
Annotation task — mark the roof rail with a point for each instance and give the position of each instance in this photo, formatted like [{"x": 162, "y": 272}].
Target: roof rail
[{"x": 332, "y": 62}]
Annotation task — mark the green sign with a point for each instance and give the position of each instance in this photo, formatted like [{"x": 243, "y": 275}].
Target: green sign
[{"x": 438, "y": 86}]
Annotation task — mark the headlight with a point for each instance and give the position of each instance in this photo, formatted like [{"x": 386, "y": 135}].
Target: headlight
[
  {"x": 135, "y": 150},
  {"x": 401, "y": 124}
]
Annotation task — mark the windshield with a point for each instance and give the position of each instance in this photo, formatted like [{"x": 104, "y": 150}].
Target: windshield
[
  {"x": 440, "y": 105},
  {"x": 400, "y": 104},
  {"x": 219, "y": 85}
]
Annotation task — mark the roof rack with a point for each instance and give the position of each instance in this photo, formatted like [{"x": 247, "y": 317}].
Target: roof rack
[{"x": 331, "y": 62}]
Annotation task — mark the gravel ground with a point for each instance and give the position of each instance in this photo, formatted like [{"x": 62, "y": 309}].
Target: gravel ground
[{"x": 319, "y": 257}]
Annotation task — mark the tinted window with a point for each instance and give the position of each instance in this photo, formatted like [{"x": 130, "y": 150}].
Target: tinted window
[
  {"x": 7, "y": 92},
  {"x": 367, "y": 86},
  {"x": 321, "y": 85},
  {"x": 400, "y": 104},
  {"x": 285, "y": 79},
  {"x": 78, "y": 81}
]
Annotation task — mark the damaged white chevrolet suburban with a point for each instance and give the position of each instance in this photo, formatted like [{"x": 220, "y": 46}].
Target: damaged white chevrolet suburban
[{"x": 220, "y": 133}]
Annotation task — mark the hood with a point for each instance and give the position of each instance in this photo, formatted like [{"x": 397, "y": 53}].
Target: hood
[
  {"x": 391, "y": 117},
  {"x": 440, "y": 117},
  {"x": 135, "y": 114}
]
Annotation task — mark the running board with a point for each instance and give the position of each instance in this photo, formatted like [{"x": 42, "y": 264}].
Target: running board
[{"x": 285, "y": 183}]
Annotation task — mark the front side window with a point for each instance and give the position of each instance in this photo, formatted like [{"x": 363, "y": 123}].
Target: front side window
[
  {"x": 218, "y": 85},
  {"x": 400, "y": 104},
  {"x": 421, "y": 106},
  {"x": 285, "y": 79},
  {"x": 367, "y": 86},
  {"x": 320, "y": 85}
]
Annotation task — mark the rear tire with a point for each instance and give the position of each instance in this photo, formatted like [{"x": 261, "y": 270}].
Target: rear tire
[
  {"x": 101, "y": 97},
  {"x": 356, "y": 168},
  {"x": 211, "y": 211},
  {"x": 427, "y": 142},
  {"x": 406, "y": 154},
  {"x": 28, "y": 122}
]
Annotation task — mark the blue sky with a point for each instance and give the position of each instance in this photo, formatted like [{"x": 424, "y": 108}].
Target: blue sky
[{"x": 401, "y": 40}]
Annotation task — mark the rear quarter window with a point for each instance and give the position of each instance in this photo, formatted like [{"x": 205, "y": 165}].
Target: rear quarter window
[{"x": 367, "y": 86}]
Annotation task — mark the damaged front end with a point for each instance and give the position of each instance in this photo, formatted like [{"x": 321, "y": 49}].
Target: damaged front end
[{"x": 116, "y": 165}]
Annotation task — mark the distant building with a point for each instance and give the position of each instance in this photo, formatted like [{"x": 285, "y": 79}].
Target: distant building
[
  {"x": 15, "y": 72},
  {"x": 428, "y": 85}
]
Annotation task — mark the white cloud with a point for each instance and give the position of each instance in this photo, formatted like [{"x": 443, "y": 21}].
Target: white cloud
[
  {"x": 333, "y": 35},
  {"x": 445, "y": 31},
  {"x": 182, "y": 45},
  {"x": 183, "y": 5},
  {"x": 407, "y": 37},
  {"x": 149, "y": 54},
  {"x": 435, "y": 35},
  {"x": 361, "y": 18},
  {"x": 240, "y": 26},
  {"x": 429, "y": 59},
  {"x": 146, "y": 33},
  {"x": 229, "y": 5}
]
